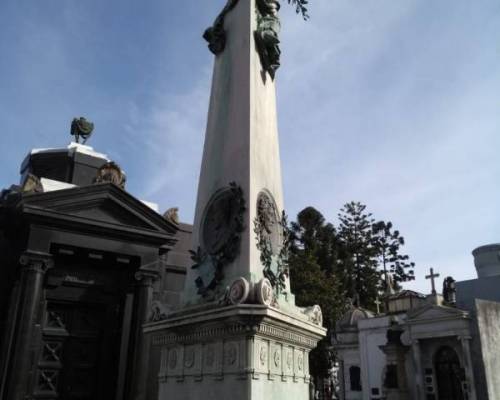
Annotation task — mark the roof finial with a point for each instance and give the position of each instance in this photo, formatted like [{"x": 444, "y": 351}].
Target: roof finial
[{"x": 432, "y": 277}]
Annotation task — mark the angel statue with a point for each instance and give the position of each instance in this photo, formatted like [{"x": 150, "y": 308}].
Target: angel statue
[{"x": 81, "y": 128}]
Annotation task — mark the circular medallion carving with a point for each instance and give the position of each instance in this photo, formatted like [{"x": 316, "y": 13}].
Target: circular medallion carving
[
  {"x": 263, "y": 355},
  {"x": 277, "y": 358},
  {"x": 238, "y": 293},
  {"x": 268, "y": 224},
  {"x": 265, "y": 292},
  {"x": 210, "y": 356},
  {"x": 189, "y": 358},
  {"x": 221, "y": 221},
  {"x": 230, "y": 354},
  {"x": 172, "y": 359},
  {"x": 220, "y": 237}
]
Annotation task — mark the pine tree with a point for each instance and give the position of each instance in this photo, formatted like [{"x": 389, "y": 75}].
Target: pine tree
[
  {"x": 358, "y": 259},
  {"x": 388, "y": 244},
  {"x": 312, "y": 261},
  {"x": 313, "y": 258}
]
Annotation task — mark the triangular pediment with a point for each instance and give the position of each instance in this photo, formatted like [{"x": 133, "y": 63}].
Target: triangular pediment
[
  {"x": 102, "y": 205},
  {"x": 435, "y": 312}
]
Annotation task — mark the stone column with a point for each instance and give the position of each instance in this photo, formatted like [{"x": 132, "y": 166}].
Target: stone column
[
  {"x": 469, "y": 372},
  {"x": 417, "y": 362},
  {"x": 34, "y": 266},
  {"x": 144, "y": 297}
]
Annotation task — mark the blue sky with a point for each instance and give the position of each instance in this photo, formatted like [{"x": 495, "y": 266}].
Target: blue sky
[{"x": 393, "y": 103}]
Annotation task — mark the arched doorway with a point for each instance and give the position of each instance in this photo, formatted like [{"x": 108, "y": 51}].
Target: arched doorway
[{"x": 449, "y": 374}]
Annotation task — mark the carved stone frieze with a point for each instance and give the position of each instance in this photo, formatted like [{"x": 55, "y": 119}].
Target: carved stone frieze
[
  {"x": 228, "y": 330},
  {"x": 271, "y": 360}
]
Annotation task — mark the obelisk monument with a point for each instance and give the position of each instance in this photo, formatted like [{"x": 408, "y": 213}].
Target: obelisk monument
[{"x": 238, "y": 334}]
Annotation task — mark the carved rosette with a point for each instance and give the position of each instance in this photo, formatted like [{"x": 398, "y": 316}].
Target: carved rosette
[
  {"x": 265, "y": 293},
  {"x": 221, "y": 228},
  {"x": 239, "y": 291}
]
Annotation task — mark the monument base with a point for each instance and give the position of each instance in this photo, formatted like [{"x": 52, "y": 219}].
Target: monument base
[{"x": 240, "y": 352}]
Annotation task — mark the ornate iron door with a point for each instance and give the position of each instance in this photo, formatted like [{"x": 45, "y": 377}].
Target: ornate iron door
[
  {"x": 449, "y": 375},
  {"x": 78, "y": 358}
]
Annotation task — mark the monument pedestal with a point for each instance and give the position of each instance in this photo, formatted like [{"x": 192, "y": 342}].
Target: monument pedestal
[
  {"x": 238, "y": 334},
  {"x": 247, "y": 351}
]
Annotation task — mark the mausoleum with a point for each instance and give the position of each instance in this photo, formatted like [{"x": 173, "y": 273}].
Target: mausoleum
[{"x": 434, "y": 347}]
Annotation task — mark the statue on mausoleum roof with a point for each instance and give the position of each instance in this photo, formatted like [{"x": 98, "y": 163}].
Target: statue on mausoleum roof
[{"x": 81, "y": 128}]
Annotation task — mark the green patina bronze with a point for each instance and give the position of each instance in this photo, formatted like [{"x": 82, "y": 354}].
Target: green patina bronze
[
  {"x": 81, "y": 128},
  {"x": 300, "y": 7},
  {"x": 267, "y": 35},
  {"x": 216, "y": 34}
]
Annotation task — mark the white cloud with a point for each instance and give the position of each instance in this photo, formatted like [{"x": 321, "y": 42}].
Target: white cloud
[{"x": 170, "y": 133}]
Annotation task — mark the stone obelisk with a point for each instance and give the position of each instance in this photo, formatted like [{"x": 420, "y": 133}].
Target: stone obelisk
[{"x": 238, "y": 334}]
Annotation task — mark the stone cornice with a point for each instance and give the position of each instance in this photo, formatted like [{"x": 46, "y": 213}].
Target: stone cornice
[
  {"x": 242, "y": 320},
  {"x": 202, "y": 314}
]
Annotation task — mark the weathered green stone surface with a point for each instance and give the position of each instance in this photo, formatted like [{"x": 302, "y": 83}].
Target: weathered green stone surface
[{"x": 81, "y": 128}]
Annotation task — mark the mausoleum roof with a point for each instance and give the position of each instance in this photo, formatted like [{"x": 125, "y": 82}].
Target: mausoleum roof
[{"x": 352, "y": 316}]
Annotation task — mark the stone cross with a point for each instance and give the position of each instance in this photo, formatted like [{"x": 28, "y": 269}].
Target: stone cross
[
  {"x": 431, "y": 277},
  {"x": 378, "y": 303}
]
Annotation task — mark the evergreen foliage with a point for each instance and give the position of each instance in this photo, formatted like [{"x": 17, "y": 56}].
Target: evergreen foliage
[
  {"x": 300, "y": 7},
  {"x": 388, "y": 244},
  {"x": 358, "y": 261},
  {"x": 330, "y": 264}
]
